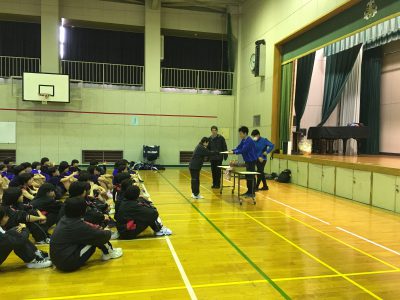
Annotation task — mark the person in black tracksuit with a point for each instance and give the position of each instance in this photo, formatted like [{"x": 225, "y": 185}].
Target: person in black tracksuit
[
  {"x": 17, "y": 239},
  {"x": 217, "y": 143},
  {"x": 135, "y": 214},
  {"x": 18, "y": 212},
  {"x": 47, "y": 204},
  {"x": 196, "y": 163},
  {"x": 74, "y": 241}
]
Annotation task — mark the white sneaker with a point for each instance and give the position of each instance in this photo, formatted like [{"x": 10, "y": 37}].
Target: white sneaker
[
  {"x": 199, "y": 196},
  {"x": 115, "y": 235},
  {"x": 39, "y": 264},
  {"x": 164, "y": 231},
  {"x": 115, "y": 253}
]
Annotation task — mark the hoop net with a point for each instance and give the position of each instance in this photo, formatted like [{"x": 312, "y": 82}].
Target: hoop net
[{"x": 45, "y": 97}]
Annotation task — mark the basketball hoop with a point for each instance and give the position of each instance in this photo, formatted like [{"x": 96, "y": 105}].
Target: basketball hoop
[{"x": 45, "y": 97}]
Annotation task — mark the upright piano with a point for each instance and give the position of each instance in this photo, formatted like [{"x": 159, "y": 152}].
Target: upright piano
[{"x": 323, "y": 137}]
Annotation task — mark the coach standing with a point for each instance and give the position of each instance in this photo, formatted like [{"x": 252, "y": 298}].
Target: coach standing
[{"x": 218, "y": 144}]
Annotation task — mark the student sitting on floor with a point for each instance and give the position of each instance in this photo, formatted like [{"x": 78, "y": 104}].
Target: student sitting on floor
[
  {"x": 25, "y": 181},
  {"x": 66, "y": 178},
  {"x": 74, "y": 166},
  {"x": 17, "y": 170},
  {"x": 17, "y": 213},
  {"x": 136, "y": 214},
  {"x": 102, "y": 166},
  {"x": 45, "y": 165},
  {"x": 96, "y": 193},
  {"x": 17, "y": 239},
  {"x": 4, "y": 181},
  {"x": 105, "y": 181},
  {"x": 74, "y": 241},
  {"x": 9, "y": 162},
  {"x": 38, "y": 177},
  {"x": 47, "y": 204}
]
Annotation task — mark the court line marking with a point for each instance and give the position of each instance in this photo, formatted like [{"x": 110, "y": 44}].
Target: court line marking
[
  {"x": 343, "y": 242},
  {"x": 222, "y": 219},
  {"x": 369, "y": 241},
  {"x": 181, "y": 270},
  {"x": 226, "y": 212},
  {"x": 314, "y": 257},
  {"x": 257, "y": 268},
  {"x": 206, "y": 285},
  {"x": 298, "y": 210}
]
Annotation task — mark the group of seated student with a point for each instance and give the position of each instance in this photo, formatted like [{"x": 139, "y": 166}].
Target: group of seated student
[{"x": 71, "y": 210}]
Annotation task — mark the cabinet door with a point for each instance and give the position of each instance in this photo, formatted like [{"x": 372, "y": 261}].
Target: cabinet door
[
  {"x": 275, "y": 166},
  {"x": 344, "y": 183},
  {"x": 328, "y": 179},
  {"x": 283, "y": 165},
  {"x": 397, "y": 198},
  {"x": 292, "y": 166},
  {"x": 302, "y": 174},
  {"x": 384, "y": 191},
  {"x": 362, "y": 187},
  {"x": 314, "y": 176}
]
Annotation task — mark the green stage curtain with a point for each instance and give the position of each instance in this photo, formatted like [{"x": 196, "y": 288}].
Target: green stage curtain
[
  {"x": 305, "y": 66},
  {"x": 338, "y": 68},
  {"x": 371, "y": 97},
  {"x": 285, "y": 106}
]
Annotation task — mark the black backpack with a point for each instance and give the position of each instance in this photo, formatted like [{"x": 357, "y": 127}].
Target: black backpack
[{"x": 285, "y": 176}]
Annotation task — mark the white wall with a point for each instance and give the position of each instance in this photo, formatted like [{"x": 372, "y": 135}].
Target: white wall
[
  {"x": 390, "y": 99},
  {"x": 62, "y": 136},
  {"x": 272, "y": 21}
]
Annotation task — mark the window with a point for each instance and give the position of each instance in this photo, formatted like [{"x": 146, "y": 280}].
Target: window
[{"x": 256, "y": 120}]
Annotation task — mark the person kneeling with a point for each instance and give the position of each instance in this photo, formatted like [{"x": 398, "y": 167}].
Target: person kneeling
[
  {"x": 74, "y": 241},
  {"x": 136, "y": 214}
]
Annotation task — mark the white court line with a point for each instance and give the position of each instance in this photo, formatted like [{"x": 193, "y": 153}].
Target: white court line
[
  {"x": 181, "y": 270},
  {"x": 298, "y": 210},
  {"x": 369, "y": 241}
]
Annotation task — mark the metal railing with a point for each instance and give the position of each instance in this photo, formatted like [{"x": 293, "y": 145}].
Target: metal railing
[
  {"x": 196, "y": 79},
  {"x": 103, "y": 73},
  {"x": 16, "y": 66}
]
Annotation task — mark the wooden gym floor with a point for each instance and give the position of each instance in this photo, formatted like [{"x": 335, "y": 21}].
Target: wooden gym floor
[{"x": 294, "y": 244}]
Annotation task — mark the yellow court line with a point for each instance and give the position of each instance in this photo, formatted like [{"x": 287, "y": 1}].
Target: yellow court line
[
  {"x": 223, "y": 213},
  {"x": 112, "y": 293},
  {"x": 314, "y": 257},
  {"x": 342, "y": 242},
  {"x": 244, "y": 282},
  {"x": 221, "y": 219}
]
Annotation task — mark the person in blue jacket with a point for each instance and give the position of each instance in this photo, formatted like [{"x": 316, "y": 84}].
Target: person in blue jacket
[
  {"x": 247, "y": 148},
  {"x": 264, "y": 146}
]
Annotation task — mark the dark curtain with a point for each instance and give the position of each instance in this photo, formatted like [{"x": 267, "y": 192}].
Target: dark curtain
[
  {"x": 371, "y": 97},
  {"x": 338, "y": 68},
  {"x": 230, "y": 46},
  {"x": 192, "y": 53},
  {"x": 106, "y": 46},
  {"x": 20, "y": 39},
  {"x": 305, "y": 66}
]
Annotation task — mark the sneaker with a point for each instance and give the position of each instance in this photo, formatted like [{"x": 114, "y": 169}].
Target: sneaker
[
  {"x": 115, "y": 235},
  {"x": 43, "y": 242},
  {"x": 164, "y": 231},
  {"x": 215, "y": 186},
  {"x": 264, "y": 188},
  {"x": 245, "y": 194},
  {"x": 42, "y": 255},
  {"x": 115, "y": 253},
  {"x": 39, "y": 264}
]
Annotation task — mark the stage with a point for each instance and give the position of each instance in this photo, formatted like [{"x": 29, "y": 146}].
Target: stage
[{"x": 385, "y": 164}]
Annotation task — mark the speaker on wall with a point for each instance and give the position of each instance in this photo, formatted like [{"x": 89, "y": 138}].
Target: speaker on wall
[{"x": 259, "y": 68}]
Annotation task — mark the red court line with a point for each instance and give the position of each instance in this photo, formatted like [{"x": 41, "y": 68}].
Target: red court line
[{"x": 104, "y": 113}]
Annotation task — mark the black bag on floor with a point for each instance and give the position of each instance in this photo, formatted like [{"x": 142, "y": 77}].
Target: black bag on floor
[{"x": 285, "y": 176}]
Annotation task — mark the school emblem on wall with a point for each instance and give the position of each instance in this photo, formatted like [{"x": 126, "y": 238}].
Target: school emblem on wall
[{"x": 371, "y": 10}]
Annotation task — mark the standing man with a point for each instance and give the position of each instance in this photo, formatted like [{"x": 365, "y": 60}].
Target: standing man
[
  {"x": 247, "y": 148},
  {"x": 217, "y": 143},
  {"x": 264, "y": 146}
]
